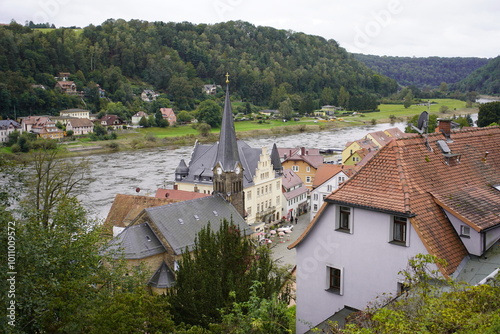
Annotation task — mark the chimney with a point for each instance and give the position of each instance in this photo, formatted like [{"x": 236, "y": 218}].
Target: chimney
[
  {"x": 302, "y": 151},
  {"x": 444, "y": 126}
]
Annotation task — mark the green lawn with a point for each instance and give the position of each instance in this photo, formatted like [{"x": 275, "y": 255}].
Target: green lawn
[{"x": 402, "y": 113}]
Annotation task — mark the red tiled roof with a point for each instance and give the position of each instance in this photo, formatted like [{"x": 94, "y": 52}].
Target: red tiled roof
[
  {"x": 326, "y": 171},
  {"x": 405, "y": 177},
  {"x": 178, "y": 195}
]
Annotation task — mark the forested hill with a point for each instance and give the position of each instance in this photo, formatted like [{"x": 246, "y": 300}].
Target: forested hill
[
  {"x": 485, "y": 80},
  {"x": 266, "y": 65},
  {"x": 422, "y": 72}
]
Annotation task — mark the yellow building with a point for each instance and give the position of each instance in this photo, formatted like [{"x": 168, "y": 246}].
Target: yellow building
[{"x": 302, "y": 161}]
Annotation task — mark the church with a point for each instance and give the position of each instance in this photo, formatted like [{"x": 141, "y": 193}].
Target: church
[{"x": 247, "y": 177}]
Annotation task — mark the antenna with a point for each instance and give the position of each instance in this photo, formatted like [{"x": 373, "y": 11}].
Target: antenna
[{"x": 422, "y": 123}]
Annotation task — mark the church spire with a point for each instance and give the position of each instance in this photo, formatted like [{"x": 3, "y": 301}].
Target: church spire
[{"x": 227, "y": 152}]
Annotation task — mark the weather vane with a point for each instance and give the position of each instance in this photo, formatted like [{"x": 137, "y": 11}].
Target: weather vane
[{"x": 227, "y": 77}]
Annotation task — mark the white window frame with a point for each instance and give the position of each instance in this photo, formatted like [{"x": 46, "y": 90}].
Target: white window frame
[
  {"x": 295, "y": 168},
  {"x": 338, "y": 227},
  {"x": 396, "y": 220},
  {"x": 465, "y": 231},
  {"x": 328, "y": 287},
  {"x": 308, "y": 179}
]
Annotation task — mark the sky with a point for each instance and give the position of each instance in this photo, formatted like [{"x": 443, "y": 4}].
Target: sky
[{"x": 425, "y": 28}]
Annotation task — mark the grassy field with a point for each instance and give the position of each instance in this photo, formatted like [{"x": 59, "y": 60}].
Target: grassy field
[{"x": 456, "y": 107}]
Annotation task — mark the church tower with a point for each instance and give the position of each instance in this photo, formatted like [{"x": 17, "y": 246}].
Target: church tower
[{"x": 228, "y": 170}]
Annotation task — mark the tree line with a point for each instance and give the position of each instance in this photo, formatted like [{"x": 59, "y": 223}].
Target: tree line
[{"x": 267, "y": 66}]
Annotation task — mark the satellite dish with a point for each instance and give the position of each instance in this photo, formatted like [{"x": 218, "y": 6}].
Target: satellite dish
[{"x": 422, "y": 123}]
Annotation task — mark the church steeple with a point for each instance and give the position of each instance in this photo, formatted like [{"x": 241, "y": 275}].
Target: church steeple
[
  {"x": 227, "y": 152},
  {"x": 228, "y": 169}
]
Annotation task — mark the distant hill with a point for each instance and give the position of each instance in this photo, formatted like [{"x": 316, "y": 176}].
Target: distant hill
[
  {"x": 484, "y": 80},
  {"x": 422, "y": 72},
  {"x": 266, "y": 66}
]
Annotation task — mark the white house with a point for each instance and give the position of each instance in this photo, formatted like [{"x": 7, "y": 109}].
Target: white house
[
  {"x": 435, "y": 194},
  {"x": 7, "y": 127},
  {"x": 328, "y": 178},
  {"x": 294, "y": 195}
]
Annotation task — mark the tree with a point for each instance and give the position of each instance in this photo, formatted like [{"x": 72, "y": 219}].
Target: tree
[
  {"x": 221, "y": 269},
  {"x": 203, "y": 129},
  {"x": 144, "y": 122},
  {"x": 285, "y": 109},
  {"x": 408, "y": 99},
  {"x": 488, "y": 113},
  {"x": 343, "y": 97},
  {"x": 258, "y": 315},
  {"x": 53, "y": 182},
  {"x": 184, "y": 117},
  {"x": 210, "y": 112}
]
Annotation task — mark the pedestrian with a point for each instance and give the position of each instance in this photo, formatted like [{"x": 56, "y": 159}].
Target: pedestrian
[{"x": 296, "y": 220}]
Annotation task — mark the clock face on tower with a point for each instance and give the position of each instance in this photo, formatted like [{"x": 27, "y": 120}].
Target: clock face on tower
[
  {"x": 237, "y": 170},
  {"x": 219, "y": 170}
]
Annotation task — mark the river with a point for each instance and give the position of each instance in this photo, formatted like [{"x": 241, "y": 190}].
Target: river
[{"x": 148, "y": 170}]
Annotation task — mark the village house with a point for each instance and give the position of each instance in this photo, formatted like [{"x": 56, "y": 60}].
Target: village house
[
  {"x": 295, "y": 195},
  {"x": 303, "y": 161},
  {"x": 169, "y": 115},
  {"x": 112, "y": 121},
  {"x": 42, "y": 126},
  {"x": 328, "y": 178},
  {"x": 359, "y": 151},
  {"x": 8, "y": 126},
  {"x": 209, "y": 89},
  {"x": 249, "y": 178},
  {"x": 80, "y": 126},
  {"x": 149, "y": 95},
  {"x": 75, "y": 113},
  {"x": 435, "y": 194},
  {"x": 158, "y": 236},
  {"x": 136, "y": 118}
]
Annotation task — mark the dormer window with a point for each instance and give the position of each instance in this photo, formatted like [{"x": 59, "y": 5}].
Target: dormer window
[{"x": 465, "y": 231}]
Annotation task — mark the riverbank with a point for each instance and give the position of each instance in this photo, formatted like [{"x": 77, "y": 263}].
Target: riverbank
[{"x": 171, "y": 138}]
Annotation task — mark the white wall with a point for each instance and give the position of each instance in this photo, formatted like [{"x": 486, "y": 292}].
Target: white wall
[
  {"x": 473, "y": 244},
  {"x": 370, "y": 264}
]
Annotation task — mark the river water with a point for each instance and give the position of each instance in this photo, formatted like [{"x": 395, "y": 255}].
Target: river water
[{"x": 148, "y": 170}]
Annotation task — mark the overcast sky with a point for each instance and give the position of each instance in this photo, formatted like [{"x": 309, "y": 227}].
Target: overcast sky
[{"x": 444, "y": 28}]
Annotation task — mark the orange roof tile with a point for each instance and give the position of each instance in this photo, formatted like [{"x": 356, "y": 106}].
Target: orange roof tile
[{"x": 178, "y": 195}]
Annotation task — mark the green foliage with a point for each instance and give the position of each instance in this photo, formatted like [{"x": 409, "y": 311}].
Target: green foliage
[
  {"x": 422, "y": 72},
  {"x": 203, "y": 129},
  {"x": 258, "y": 315},
  {"x": 174, "y": 58},
  {"x": 184, "y": 117},
  {"x": 488, "y": 113},
  {"x": 222, "y": 268},
  {"x": 285, "y": 109},
  {"x": 485, "y": 79},
  {"x": 210, "y": 112}
]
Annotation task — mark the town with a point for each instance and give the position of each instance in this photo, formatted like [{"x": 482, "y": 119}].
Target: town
[{"x": 396, "y": 230}]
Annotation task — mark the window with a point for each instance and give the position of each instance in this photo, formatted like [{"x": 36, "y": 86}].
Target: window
[
  {"x": 249, "y": 211},
  {"x": 315, "y": 197},
  {"x": 464, "y": 231},
  {"x": 278, "y": 185},
  {"x": 315, "y": 207},
  {"x": 399, "y": 230},
  {"x": 329, "y": 188},
  {"x": 344, "y": 219},
  {"x": 308, "y": 169},
  {"x": 277, "y": 200},
  {"x": 295, "y": 168},
  {"x": 334, "y": 280},
  {"x": 249, "y": 195},
  {"x": 308, "y": 179},
  {"x": 341, "y": 179}
]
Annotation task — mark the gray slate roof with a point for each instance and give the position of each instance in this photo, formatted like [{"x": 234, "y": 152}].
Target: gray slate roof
[
  {"x": 135, "y": 242},
  {"x": 180, "y": 222},
  {"x": 203, "y": 160},
  {"x": 227, "y": 150},
  {"x": 163, "y": 277}
]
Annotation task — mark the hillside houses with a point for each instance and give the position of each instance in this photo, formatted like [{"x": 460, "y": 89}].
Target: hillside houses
[
  {"x": 436, "y": 194},
  {"x": 6, "y": 128}
]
